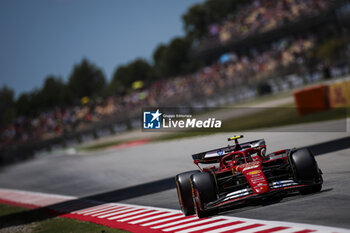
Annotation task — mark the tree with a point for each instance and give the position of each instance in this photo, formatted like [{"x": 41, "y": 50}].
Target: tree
[
  {"x": 30, "y": 104},
  {"x": 172, "y": 59},
  {"x": 138, "y": 70},
  {"x": 196, "y": 21},
  {"x": 219, "y": 10},
  {"x": 86, "y": 80},
  {"x": 54, "y": 92},
  {"x": 199, "y": 17},
  {"x": 7, "y": 105},
  {"x": 332, "y": 49},
  {"x": 23, "y": 104}
]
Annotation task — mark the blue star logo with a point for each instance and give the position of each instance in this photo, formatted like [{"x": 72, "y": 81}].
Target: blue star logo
[{"x": 151, "y": 119}]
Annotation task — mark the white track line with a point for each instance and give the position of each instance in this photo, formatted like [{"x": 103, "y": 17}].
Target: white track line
[
  {"x": 204, "y": 226},
  {"x": 126, "y": 209},
  {"x": 104, "y": 208},
  {"x": 292, "y": 230},
  {"x": 87, "y": 209},
  {"x": 175, "y": 223},
  {"x": 91, "y": 209},
  {"x": 140, "y": 216},
  {"x": 95, "y": 205},
  {"x": 113, "y": 210},
  {"x": 137, "y": 213},
  {"x": 188, "y": 224},
  {"x": 238, "y": 226},
  {"x": 163, "y": 220},
  {"x": 128, "y": 214},
  {"x": 152, "y": 218}
]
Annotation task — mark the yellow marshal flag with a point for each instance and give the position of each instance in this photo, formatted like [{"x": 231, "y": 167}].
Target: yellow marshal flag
[
  {"x": 85, "y": 100},
  {"x": 137, "y": 85}
]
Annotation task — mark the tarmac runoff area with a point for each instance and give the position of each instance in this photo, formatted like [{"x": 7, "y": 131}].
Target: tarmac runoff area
[{"x": 144, "y": 175}]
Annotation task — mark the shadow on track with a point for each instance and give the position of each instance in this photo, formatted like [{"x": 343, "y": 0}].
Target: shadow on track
[
  {"x": 46, "y": 212},
  {"x": 330, "y": 146},
  {"x": 131, "y": 192},
  {"x": 278, "y": 199}
]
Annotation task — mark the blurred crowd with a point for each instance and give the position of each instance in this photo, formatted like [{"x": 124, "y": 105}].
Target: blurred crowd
[
  {"x": 231, "y": 70},
  {"x": 261, "y": 16}
]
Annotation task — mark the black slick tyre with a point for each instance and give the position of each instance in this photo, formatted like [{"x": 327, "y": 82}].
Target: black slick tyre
[
  {"x": 305, "y": 169},
  {"x": 203, "y": 192},
  {"x": 184, "y": 192}
]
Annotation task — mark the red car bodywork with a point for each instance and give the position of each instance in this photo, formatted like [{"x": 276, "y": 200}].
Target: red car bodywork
[{"x": 251, "y": 162}]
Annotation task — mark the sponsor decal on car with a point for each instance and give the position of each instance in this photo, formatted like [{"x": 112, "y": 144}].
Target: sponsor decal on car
[
  {"x": 219, "y": 152},
  {"x": 254, "y": 172}
]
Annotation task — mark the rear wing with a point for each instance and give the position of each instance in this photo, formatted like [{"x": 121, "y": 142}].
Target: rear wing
[{"x": 216, "y": 154}]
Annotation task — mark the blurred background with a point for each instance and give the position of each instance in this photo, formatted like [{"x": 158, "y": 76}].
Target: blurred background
[{"x": 74, "y": 71}]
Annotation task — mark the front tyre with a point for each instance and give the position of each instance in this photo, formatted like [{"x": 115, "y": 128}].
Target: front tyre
[
  {"x": 184, "y": 192},
  {"x": 305, "y": 170},
  {"x": 203, "y": 192}
]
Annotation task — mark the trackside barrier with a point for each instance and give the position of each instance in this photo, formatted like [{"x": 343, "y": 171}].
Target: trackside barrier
[
  {"x": 339, "y": 94},
  {"x": 322, "y": 97},
  {"x": 311, "y": 99}
]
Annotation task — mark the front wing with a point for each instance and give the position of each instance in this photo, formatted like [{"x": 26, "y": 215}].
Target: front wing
[{"x": 247, "y": 194}]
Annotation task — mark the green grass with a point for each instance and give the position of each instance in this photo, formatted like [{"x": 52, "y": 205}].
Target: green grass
[
  {"x": 7, "y": 210},
  {"x": 16, "y": 219},
  {"x": 275, "y": 117}
]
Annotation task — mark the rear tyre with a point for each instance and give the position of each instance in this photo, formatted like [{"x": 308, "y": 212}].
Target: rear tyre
[
  {"x": 203, "y": 192},
  {"x": 305, "y": 169},
  {"x": 184, "y": 192}
]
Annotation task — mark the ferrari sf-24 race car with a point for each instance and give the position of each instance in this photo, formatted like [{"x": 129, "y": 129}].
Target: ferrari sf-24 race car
[{"x": 243, "y": 173}]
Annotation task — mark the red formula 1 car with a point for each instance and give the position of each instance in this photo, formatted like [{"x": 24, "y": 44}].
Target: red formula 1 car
[{"x": 244, "y": 173}]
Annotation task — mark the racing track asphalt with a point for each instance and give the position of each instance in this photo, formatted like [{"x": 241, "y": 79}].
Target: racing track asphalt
[{"x": 144, "y": 175}]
